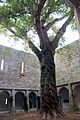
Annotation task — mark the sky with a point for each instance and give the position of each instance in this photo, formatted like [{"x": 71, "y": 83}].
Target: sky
[
  {"x": 6, "y": 41},
  {"x": 70, "y": 36}
]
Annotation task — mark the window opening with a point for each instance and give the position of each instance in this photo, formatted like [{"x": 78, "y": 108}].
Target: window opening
[
  {"x": 22, "y": 68},
  {"x": 2, "y": 64}
]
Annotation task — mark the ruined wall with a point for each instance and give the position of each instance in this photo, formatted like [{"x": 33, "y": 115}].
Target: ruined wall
[
  {"x": 10, "y": 76},
  {"x": 67, "y": 60}
]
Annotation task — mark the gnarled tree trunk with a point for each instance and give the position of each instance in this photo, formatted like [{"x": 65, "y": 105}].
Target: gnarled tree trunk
[{"x": 49, "y": 98}]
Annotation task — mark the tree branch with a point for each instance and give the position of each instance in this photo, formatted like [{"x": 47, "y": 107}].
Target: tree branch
[
  {"x": 12, "y": 31},
  {"x": 75, "y": 3},
  {"x": 61, "y": 31},
  {"x": 50, "y": 24},
  {"x": 39, "y": 8},
  {"x": 31, "y": 45},
  {"x": 35, "y": 50}
]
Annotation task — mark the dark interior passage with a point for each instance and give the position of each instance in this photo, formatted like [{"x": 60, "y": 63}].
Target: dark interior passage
[
  {"x": 32, "y": 100},
  {"x": 63, "y": 96},
  {"x": 4, "y": 101},
  {"x": 19, "y": 100},
  {"x": 38, "y": 102}
]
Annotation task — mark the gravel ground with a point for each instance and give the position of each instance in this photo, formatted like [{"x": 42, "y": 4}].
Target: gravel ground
[{"x": 35, "y": 116}]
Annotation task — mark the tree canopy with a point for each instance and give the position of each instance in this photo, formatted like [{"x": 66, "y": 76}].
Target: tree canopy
[{"x": 18, "y": 15}]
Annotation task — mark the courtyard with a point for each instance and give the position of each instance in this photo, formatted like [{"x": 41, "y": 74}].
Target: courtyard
[{"x": 35, "y": 116}]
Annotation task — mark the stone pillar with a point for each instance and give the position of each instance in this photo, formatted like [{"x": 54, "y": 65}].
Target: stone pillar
[
  {"x": 71, "y": 104},
  {"x": 13, "y": 101},
  {"x": 74, "y": 98},
  {"x": 28, "y": 99},
  {"x": 36, "y": 101}
]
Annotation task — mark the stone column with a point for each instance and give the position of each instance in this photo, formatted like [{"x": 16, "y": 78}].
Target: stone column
[
  {"x": 71, "y": 104},
  {"x": 28, "y": 99},
  {"x": 13, "y": 101},
  {"x": 74, "y": 98}
]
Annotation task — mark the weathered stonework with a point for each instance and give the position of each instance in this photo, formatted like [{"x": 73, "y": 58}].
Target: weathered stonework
[
  {"x": 10, "y": 76},
  {"x": 67, "y": 60},
  {"x": 16, "y": 86}
]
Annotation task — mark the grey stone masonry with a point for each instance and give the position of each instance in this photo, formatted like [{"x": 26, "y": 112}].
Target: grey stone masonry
[
  {"x": 67, "y": 60},
  {"x": 16, "y": 85},
  {"x": 10, "y": 76}
]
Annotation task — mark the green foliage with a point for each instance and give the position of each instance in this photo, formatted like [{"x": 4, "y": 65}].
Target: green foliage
[
  {"x": 62, "y": 41},
  {"x": 18, "y": 14},
  {"x": 73, "y": 25}
]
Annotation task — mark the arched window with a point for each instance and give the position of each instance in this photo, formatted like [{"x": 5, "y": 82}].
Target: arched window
[
  {"x": 22, "y": 70},
  {"x": 2, "y": 64}
]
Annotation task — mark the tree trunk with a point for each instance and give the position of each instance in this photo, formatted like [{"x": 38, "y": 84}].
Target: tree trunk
[
  {"x": 49, "y": 98},
  {"x": 77, "y": 16}
]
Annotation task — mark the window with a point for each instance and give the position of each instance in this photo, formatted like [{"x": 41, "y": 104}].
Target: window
[
  {"x": 2, "y": 64},
  {"x": 22, "y": 68}
]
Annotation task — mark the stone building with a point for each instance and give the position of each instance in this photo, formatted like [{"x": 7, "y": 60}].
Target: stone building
[
  {"x": 67, "y": 60},
  {"x": 20, "y": 79}
]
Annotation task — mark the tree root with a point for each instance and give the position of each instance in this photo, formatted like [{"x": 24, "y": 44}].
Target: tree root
[{"x": 52, "y": 116}]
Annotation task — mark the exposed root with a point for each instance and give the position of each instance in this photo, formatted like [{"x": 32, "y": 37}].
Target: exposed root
[{"x": 52, "y": 115}]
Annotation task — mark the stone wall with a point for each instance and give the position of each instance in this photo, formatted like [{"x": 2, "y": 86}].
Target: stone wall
[
  {"x": 67, "y": 60},
  {"x": 10, "y": 76}
]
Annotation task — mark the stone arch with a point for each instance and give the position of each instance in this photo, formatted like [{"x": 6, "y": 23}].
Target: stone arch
[
  {"x": 77, "y": 96},
  {"x": 19, "y": 101},
  {"x": 32, "y": 100},
  {"x": 4, "y": 101},
  {"x": 64, "y": 98}
]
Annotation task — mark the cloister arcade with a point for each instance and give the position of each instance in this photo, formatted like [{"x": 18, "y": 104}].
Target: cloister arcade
[
  {"x": 29, "y": 100},
  {"x": 14, "y": 100}
]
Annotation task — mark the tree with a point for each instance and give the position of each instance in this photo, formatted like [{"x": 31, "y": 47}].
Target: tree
[{"x": 21, "y": 16}]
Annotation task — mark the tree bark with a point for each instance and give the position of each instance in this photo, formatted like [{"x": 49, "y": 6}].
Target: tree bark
[
  {"x": 49, "y": 98},
  {"x": 77, "y": 16}
]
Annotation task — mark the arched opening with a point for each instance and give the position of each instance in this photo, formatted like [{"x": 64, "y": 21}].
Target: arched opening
[
  {"x": 32, "y": 100},
  {"x": 38, "y": 102},
  {"x": 19, "y": 101},
  {"x": 4, "y": 101},
  {"x": 77, "y": 97},
  {"x": 64, "y": 98}
]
